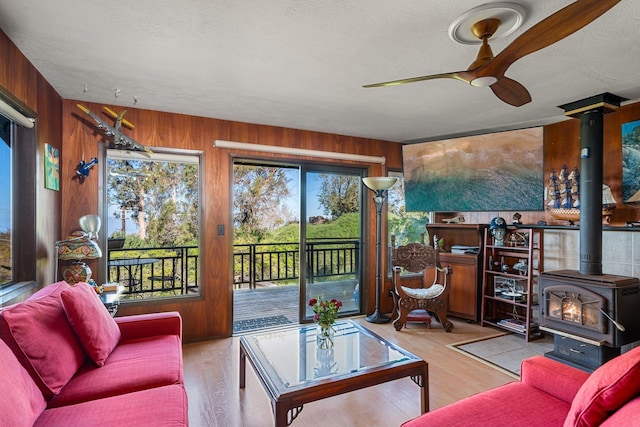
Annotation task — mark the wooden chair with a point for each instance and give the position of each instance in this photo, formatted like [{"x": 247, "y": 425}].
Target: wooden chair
[{"x": 424, "y": 288}]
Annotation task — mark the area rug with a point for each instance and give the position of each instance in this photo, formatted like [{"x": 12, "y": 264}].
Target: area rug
[
  {"x": 260, "y": 323},
  {"x": 504, "y": 352}
]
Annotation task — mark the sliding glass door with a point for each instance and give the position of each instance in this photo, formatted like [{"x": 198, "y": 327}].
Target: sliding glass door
[{"x": 331, "y": 243}]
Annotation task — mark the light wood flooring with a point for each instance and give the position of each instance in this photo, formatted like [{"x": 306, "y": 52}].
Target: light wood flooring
[{"x": 215, "y": 399}]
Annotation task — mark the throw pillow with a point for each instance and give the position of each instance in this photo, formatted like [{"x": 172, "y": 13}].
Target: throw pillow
[
  {"x": 89, "y": 318},
  {"x": 22, "y": 402},
  {"x": 39, "y": 334},
  {"x": 606, "y": 390}
]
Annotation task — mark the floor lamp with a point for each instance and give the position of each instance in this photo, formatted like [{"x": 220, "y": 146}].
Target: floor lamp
[{"x": 379, "y": 185}]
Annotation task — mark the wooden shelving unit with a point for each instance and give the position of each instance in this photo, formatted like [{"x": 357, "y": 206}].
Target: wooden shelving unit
[{"x": 510, "y": 281}]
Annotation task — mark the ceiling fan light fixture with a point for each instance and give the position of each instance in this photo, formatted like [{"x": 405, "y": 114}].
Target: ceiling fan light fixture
[{"x": 485, "y": 81}]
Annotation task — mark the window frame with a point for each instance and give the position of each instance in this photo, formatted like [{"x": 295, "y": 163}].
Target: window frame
[
  {"x": 24, "y": 155},
  {"x": 159, "y": 154}
]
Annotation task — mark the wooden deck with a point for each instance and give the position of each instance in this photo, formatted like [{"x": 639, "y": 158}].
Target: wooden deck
[{"x": 271, "y": 301}]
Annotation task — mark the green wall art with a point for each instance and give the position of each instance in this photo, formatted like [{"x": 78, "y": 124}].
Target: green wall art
[
  {"x": 631, "y": 162},
  {"x": 51, "y": 168},
  {"x": 491, "y": 172}
]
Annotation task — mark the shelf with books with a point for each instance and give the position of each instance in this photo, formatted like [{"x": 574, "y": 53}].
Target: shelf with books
[{"x": 510, "y": 281}]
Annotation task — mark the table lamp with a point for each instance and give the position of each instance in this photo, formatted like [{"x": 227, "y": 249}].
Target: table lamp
[
  {"x": 378, "y": 185},
  {"x": 77, "y": 247}
]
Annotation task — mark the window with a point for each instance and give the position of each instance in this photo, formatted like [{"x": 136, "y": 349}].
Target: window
[
  {"x": 153, "y": 217},
  {"x": 18, "y": 249},
  {"x": 6, "y": 259},
  {"x": 406, "y": 226}
]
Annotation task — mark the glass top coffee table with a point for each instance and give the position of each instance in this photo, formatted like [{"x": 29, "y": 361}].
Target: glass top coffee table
[{"x": 293, "y": 371}]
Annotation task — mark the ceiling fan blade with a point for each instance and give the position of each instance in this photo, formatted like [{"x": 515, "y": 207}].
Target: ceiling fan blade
[
  {"x": 547, "y": 32},
  {"x": 465, "y": 76},
  {"x": 511, "y": 92}
]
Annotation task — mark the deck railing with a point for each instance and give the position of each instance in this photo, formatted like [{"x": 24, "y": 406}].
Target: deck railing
[
  {"x": 279, "y": 262},
  {"x": 157, "y": 272}
]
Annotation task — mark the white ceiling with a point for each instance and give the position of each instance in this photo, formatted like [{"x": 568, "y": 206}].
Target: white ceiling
[{"x": 301, "y": 63}]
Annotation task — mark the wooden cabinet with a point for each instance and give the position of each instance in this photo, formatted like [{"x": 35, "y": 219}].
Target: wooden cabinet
[
  {"x": 465, "y": 280},
  {"x": 510, "y": 282}
]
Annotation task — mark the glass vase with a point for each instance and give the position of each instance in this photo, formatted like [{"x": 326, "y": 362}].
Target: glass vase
[{"x": 324, "y": 336}]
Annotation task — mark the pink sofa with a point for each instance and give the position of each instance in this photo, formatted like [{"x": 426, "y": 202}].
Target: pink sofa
[
  {"x": 65, "y": 362},
  {"x": 551, "y": 393}
]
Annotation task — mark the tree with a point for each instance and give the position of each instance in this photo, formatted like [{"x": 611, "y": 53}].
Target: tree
[
  {"x": 406, "y": 226},
  {"x": 259, "y": 194},
  {"x": 339, "y": 194},
  {"x": 162, "y": 197}
]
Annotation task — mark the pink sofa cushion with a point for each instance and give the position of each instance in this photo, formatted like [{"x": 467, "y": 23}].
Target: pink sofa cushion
[
  {"x": 94, "y": 326},
  {"x": 157, "y": 407},
  {"x": 606, "y": 390},
  {"x": 132, "y": 366},
  {"x": 553, "y": 377},
  {"x": 508, "y": 405},
  {"x": 39, "y": 334},
  {"x": 21, "y": 402},
  {"x": 625, "y": 416}
]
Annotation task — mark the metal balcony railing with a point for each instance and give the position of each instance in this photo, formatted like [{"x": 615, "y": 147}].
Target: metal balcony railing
[
  {"x": 155, "y": 272},
  {"x": 279, "y": 262},
  {"x": 158, "y": 272}
]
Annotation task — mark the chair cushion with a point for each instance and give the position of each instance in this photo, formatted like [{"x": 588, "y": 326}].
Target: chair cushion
[
  {"x": 606, "y": 390},
  {"x": 21, "y": 402},
  {"x": 89, "y": 318},
  {"x": 41, "y": 337},
  {"x": 424, "y": 293}
]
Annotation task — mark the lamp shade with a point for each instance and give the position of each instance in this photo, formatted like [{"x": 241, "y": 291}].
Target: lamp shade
[
  {"x": 78, "y": 247},
  {"x": 376, "y": 183},
  {"x": 90, "y": 224}
]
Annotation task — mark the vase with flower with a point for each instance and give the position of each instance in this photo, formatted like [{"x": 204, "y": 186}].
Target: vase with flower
[{"x": 326, "y": 313}]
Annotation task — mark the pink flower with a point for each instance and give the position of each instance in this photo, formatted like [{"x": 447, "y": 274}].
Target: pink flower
[{"x": 326, "y": 312}]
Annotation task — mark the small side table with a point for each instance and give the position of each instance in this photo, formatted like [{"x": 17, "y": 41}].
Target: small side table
[{"x": 110, "y": 297}]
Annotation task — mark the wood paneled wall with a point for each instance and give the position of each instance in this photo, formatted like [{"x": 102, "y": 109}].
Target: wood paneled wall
[
  {"x": 562, "y": 146},
  {"x": 24, "y": 84},
  {"x": 210, "y": 314},
  {"x": 62, "y": 125}
]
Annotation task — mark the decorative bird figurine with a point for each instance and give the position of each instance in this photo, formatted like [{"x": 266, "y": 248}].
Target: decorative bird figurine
[{"x": 84, "y": 168}]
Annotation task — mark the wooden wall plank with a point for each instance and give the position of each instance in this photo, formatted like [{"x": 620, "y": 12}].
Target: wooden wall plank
[
  {"x": 211, "y": 313},
  {"x": 562, "y": 146},
  {"x": 20, "y": 80}
]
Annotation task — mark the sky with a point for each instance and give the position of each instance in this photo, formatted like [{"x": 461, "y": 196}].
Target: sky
[{"x": 5, "y": 187}]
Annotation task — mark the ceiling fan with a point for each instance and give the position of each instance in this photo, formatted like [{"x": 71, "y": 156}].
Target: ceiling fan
[{"x": 488, "y": 70}]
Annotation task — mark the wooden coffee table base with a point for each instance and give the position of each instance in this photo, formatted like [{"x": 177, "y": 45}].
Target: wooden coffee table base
[{"x": 287, "y": 401}]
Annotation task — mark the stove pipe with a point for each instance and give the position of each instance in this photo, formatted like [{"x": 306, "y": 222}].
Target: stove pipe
[{"x": 591, "y": 112}]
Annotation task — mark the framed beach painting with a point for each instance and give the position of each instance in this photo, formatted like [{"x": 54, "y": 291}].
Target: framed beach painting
[
  {"x": 631, "y": 162},
  {"x": 51, "y": 168},
  {"x": 492, "y": 172}
]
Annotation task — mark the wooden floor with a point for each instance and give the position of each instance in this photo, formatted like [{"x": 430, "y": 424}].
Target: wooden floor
[{"x": 211, "y": 379}]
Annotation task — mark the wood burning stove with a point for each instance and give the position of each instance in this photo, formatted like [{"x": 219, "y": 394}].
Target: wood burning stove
[
  {"x": 575, "y": 307},
  {"x": 592, "y": 316}
]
